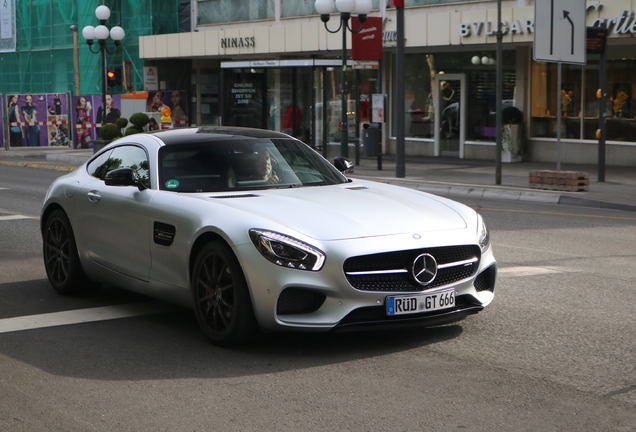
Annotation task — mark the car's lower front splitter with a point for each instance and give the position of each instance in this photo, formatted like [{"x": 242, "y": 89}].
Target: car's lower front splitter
[{"x": 376, "y": 317}]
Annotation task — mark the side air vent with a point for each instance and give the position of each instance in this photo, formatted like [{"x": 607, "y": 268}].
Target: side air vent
[{"x": 293, "y": 301}]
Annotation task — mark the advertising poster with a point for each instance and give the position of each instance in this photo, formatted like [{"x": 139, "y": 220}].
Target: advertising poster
[
  {"x": 176, "y": 100},
  {"x": 87, "y": 116},
  {"x": 245, "y": 94},
  {"x": 38, "y": 120}
]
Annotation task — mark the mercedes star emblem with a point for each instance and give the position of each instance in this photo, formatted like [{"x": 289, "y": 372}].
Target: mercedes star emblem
[{"x": 424, "y": 269}]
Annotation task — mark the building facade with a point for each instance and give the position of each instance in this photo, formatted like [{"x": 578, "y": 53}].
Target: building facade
[{"x": 272, "y": 64}]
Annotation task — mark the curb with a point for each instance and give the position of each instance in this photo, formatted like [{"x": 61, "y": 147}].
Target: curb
[
  {"x": 39, "y": 165},
  {"x": 500, "y": 192}
]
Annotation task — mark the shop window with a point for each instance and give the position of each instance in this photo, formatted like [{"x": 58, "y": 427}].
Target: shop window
[
  {"x": 224, "y": 11},
  {"x": 546, "y": 102},
  {"x": 577, "y": 98},
  {"x": 420, "y": 71}
]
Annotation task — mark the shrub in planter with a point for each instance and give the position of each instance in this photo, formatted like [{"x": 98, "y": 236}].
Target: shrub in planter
[
  {"x": 139, "y": 121},
  {"x": 511, "y": 115},
  {"x": 121, "y": 122},
  {"x": 132, "y": 130},
  {"x": 109, "y": 132}
]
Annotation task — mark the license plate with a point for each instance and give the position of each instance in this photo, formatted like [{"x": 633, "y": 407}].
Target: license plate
[{"x": 408, "y": 304}]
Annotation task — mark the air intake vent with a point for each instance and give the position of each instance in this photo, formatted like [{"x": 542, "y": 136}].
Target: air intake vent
[
  {"x": 294, "y": 301},
  {"x": 358, "y": 188},
  {"x": 234, "y": 196}
]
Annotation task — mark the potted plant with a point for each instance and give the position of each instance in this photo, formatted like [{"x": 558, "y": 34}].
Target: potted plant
[
  {"x": 139, "y": 121},
  {"x": 121, "y": 122},
  {"x": 107, "y": 133},
  {"x": 513, "y": 135}
]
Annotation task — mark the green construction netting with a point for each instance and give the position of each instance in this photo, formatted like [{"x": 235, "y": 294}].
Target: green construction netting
[{"x": 43, "y": 61}]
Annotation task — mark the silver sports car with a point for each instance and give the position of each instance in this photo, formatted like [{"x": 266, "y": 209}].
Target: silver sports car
[{"x": 256, "y": 231}]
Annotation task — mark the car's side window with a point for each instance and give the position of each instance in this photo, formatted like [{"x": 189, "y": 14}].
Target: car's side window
[{"x": 122, "y": 157}]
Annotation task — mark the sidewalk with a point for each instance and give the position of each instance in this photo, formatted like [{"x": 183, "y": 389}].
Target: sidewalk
[
  {"x": 439, "y": 175},
  {"x": 454, "y": 177}
]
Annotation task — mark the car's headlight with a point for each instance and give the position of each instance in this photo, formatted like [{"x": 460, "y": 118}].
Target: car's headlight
[
  {"x": 483, "y": 236},
  {"x": 287, "y": 251}
]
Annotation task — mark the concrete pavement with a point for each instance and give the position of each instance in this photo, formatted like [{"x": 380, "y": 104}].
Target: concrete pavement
[{"x": 439, "y": 175}]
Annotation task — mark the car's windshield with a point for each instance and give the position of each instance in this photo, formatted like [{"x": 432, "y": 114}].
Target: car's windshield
[{"x": 243, "y": 164}]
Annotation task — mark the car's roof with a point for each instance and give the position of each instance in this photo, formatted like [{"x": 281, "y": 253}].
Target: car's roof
[{"x": 213, "y": 133}]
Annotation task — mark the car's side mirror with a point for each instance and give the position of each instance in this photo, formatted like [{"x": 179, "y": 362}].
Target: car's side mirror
[
  {"x": 123, "y": 177},
  {"x": 343, "y": 165}
]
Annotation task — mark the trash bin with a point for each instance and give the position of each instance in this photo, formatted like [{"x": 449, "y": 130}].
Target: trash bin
[{"x": 370, "y": 139}]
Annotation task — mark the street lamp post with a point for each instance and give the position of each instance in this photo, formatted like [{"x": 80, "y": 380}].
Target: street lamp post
[
  {"x": 346, "y": 8},
  {"x": 101, "y": 33}
]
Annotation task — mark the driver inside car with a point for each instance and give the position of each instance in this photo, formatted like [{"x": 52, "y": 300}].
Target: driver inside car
[{"x": 261, "y": 168}]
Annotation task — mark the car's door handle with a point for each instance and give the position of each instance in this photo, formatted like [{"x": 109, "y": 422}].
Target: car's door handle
[{"x": 94, "y": 196}]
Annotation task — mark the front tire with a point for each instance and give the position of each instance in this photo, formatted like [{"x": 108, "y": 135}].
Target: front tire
[
  {"x": 221, "y": 299},
  {"x": 61, "y": 260}
]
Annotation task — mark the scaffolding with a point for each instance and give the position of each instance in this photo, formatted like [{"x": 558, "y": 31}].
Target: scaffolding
[{"x": 43, "y": 60}]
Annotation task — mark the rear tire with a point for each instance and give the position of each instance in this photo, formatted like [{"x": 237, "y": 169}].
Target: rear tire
[
  {"x": 61, "y": 260},
  {"x": 221, "y": 299}
]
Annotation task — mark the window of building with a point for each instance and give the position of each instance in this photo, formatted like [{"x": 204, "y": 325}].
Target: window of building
[
  {"x": 420, "y": 71},
  {"x": 294, "y": 8},
  {"x": 577, "y": 101},
  {"x": 224, "y": 11}
]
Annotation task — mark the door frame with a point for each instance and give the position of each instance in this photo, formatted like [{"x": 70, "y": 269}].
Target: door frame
[{"x": 462, "y": 111}]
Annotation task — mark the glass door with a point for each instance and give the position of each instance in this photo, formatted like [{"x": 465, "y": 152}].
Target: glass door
[
  {"x": 450, "y": 115},
  {"x": 328, "y": 102},
  {"x": 289, "y": 99}
]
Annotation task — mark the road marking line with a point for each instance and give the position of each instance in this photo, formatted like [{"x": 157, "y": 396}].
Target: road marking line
[
  {"x": 527, "y": 271},
  {"x": 16, "y": 217},
  {"x": 79, "y": 316}
]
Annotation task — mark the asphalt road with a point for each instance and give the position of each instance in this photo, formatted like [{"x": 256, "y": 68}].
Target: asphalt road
[{"x": 555, "y": 351}]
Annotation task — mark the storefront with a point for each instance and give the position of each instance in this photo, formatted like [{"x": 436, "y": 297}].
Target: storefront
[
  {"x": 284, "y": 75},
  {"x": 298, "y": 97}
]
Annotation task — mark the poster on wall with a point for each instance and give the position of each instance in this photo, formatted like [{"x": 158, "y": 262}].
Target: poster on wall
[
  {"x": 7, "y": 26},
  {"x": 38, "y": 120},
  {"x": 173, "y": 99},
  {"x": 87, "y": 116},
  {"x": 244, "y": 94}
]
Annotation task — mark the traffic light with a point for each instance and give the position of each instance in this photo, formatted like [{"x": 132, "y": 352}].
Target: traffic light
[
  {"x": 114, "y": 76},
  {"x": 110, "y": 77}
]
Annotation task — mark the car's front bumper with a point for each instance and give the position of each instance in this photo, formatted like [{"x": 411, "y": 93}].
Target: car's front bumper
[{"x": 341, "y": 306}]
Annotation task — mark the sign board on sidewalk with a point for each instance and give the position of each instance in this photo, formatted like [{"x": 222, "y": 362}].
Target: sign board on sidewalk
[
  {"x": 151, "y": 78},
  {"x": 560, "y": 31},
  {"x": 378, "y": 104},
  {"x": 596, "y": 39}
]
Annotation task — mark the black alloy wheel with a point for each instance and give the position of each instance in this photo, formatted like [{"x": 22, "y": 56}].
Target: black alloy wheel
[
  {"x": 221, "y": 299},
  {"x": 61, "y": 260}
]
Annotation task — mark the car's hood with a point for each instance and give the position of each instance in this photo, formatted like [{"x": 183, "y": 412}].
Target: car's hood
[{"x": 354, "y": 210}]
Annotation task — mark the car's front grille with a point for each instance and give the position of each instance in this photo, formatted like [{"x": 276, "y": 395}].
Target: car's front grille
[{"x": 390, "y": 271}]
